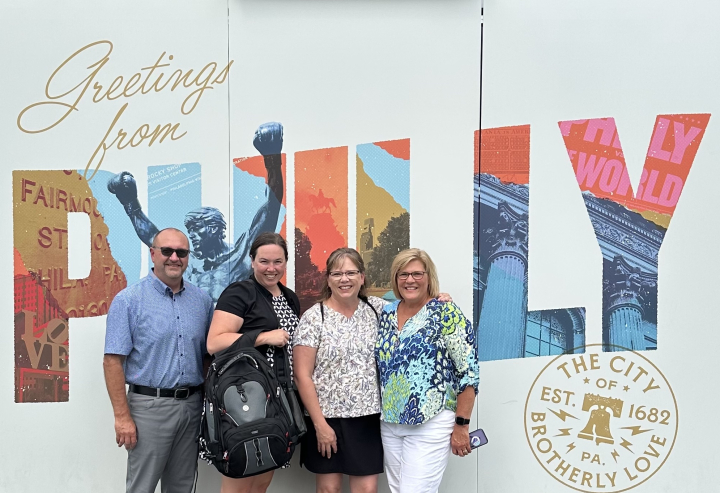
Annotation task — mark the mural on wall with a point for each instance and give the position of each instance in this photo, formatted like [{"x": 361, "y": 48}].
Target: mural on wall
[
  {"x": 45, "y": 299},
  {"x": 321, "y": 216},
  {"x": 251, "y": 190},
  {"x": 126, "y": 248},
  {"x": 506, "y": 329},
  {"x": 214, "y": 263},
  {"x": 383, "y": 209},
  {"x": 630, "y": 226},
  {"x": 173, "y": 192}
]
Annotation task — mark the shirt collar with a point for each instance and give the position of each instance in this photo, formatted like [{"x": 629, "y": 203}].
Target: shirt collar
[{"x": 161, "y": 287}]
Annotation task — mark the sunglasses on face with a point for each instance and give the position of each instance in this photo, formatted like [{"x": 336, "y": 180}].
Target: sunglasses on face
[{"x": 167, "y": 251}]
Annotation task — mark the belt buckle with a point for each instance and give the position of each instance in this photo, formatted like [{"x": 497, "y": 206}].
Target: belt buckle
[{"x": 181, "y": 393}]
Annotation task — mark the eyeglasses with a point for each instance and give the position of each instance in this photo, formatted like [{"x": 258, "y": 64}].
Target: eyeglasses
[
  {"x": 350, "y": 274},
  {"x": 167, "y": 251},
  {"x": 417, "y": 275}
]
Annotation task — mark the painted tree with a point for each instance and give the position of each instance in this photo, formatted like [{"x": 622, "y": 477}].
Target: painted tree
[
  {"x": 392, "y": 240},
  {"x": 308, "y": 278}
]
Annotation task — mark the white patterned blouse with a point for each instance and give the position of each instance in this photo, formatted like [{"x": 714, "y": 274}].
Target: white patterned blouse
[{"x": 345, "y": 374}]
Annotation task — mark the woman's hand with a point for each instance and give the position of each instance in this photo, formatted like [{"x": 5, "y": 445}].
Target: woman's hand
[
  {"x": 277, "y": 337},
  {"x": 444, "y": 297},
  {"x": 327, "y": 441},
  {"x": 460, "y": 441}
]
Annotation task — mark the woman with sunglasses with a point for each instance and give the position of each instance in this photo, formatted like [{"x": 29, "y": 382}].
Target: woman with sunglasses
[
  {"x": 428, "y": 366},
  {"x": 247, "y": 309}
]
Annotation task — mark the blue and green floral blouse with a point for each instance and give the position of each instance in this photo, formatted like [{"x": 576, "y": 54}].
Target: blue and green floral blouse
[{"x": 426, "y": 365}]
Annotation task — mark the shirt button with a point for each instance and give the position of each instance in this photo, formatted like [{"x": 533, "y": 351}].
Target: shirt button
[
  {"x": 178, "y": 318},
  {"x": 180, "y": 335}
]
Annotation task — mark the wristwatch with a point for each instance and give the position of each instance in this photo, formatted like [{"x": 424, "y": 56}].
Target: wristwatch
[{"x": 459, "y": 420}]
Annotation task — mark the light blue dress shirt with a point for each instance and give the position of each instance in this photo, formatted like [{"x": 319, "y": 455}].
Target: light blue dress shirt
[{"x": 161, "y": 333}]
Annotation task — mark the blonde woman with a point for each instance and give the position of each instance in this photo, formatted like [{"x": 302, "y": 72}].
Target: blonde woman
[
  {"x": 428, "y": 367},
  {"x": 336, "y": 375}
]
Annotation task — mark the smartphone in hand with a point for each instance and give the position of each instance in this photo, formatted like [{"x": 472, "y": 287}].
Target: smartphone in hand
[{"x": 477, "y": 438}]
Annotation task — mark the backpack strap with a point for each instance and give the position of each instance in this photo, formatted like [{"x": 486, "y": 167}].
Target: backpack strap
[
  {"x": 282, "y": 367},
  {"x": 367, "y": 302},
  {"x": 362, "y": 298}
]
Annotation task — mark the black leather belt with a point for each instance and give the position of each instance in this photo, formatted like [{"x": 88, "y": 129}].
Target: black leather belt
[{"x": 177, "y": 393}]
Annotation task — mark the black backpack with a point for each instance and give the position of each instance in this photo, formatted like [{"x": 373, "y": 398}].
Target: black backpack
[{"x": 252, "y": 419}]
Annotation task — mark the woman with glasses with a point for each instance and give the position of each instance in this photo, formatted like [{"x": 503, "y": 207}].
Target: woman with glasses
[
  {"x": 428, "y": 366},
  {"x": 247, "y": 309},
  {"x": 337, "y": 379},
  {"x": 336, "y": 375}
]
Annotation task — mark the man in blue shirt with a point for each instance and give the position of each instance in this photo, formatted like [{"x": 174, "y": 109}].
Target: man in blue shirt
[{"x": 155, "y": 342}]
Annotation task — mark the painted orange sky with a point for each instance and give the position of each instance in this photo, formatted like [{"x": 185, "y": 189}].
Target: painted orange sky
[
  {"x": 256, "y": 166},
  {"x": 326, "y": 171},
  {"x": 397, "y": 148},
  {"x": 20, "y": 269}
]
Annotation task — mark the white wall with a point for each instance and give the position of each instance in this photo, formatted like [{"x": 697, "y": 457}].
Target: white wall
[
  {"x": 350, "y": 72},
  {"x": 334, "y": 73},
  {"x": 562, "y": 60}
]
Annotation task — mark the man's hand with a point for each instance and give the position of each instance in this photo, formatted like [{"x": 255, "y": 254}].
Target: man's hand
[
  {"x": 277, "y": 337},
  {"x": 125, "y": 432},
  {"x": 269, "y": 138},
  {"x": 125, "y": 189}
]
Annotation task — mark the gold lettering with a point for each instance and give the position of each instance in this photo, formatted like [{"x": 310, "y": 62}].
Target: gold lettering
[
  {"x": 85, "y": 83},
  {"x": 203, "y": 85},
  {"x": 102, "y": 147},
  {"x": 121, "y": 142},
  {"x": 115, "y": 84},
  {"x": 151, "y": 69},
  {"x": 130, "y": 83}
]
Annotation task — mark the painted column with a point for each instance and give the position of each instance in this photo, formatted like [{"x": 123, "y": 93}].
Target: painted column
[
  {"x": 624, "y": 292},
  {"x": 503, "y": 315}
]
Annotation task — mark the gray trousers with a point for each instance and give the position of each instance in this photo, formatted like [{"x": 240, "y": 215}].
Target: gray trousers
[{"x": 166, "y": 449}]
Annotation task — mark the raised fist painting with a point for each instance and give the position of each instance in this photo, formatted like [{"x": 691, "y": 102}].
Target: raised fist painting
[{"x": 215, "y": 263}]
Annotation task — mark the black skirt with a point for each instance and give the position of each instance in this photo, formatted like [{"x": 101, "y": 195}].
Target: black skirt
[{"x": 359, "y": 445}]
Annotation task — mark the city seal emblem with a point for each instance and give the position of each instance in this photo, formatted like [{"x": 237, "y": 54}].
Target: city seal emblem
[{"x": 601, "y": 421}]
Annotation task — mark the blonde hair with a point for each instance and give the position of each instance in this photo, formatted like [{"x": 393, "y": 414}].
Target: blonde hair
[{"x": 405, "y": 257}]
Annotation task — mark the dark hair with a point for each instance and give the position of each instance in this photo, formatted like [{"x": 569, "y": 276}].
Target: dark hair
[
  {"x": 334, "y": 260},
  {"x": 268, "y": 238}
]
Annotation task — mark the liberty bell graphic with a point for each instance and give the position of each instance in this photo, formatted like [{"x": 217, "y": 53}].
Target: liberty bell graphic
[{"x": 598, "y": 426}]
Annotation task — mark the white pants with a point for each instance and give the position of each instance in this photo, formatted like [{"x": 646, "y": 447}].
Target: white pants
[{"x": 416, "y": 455}]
